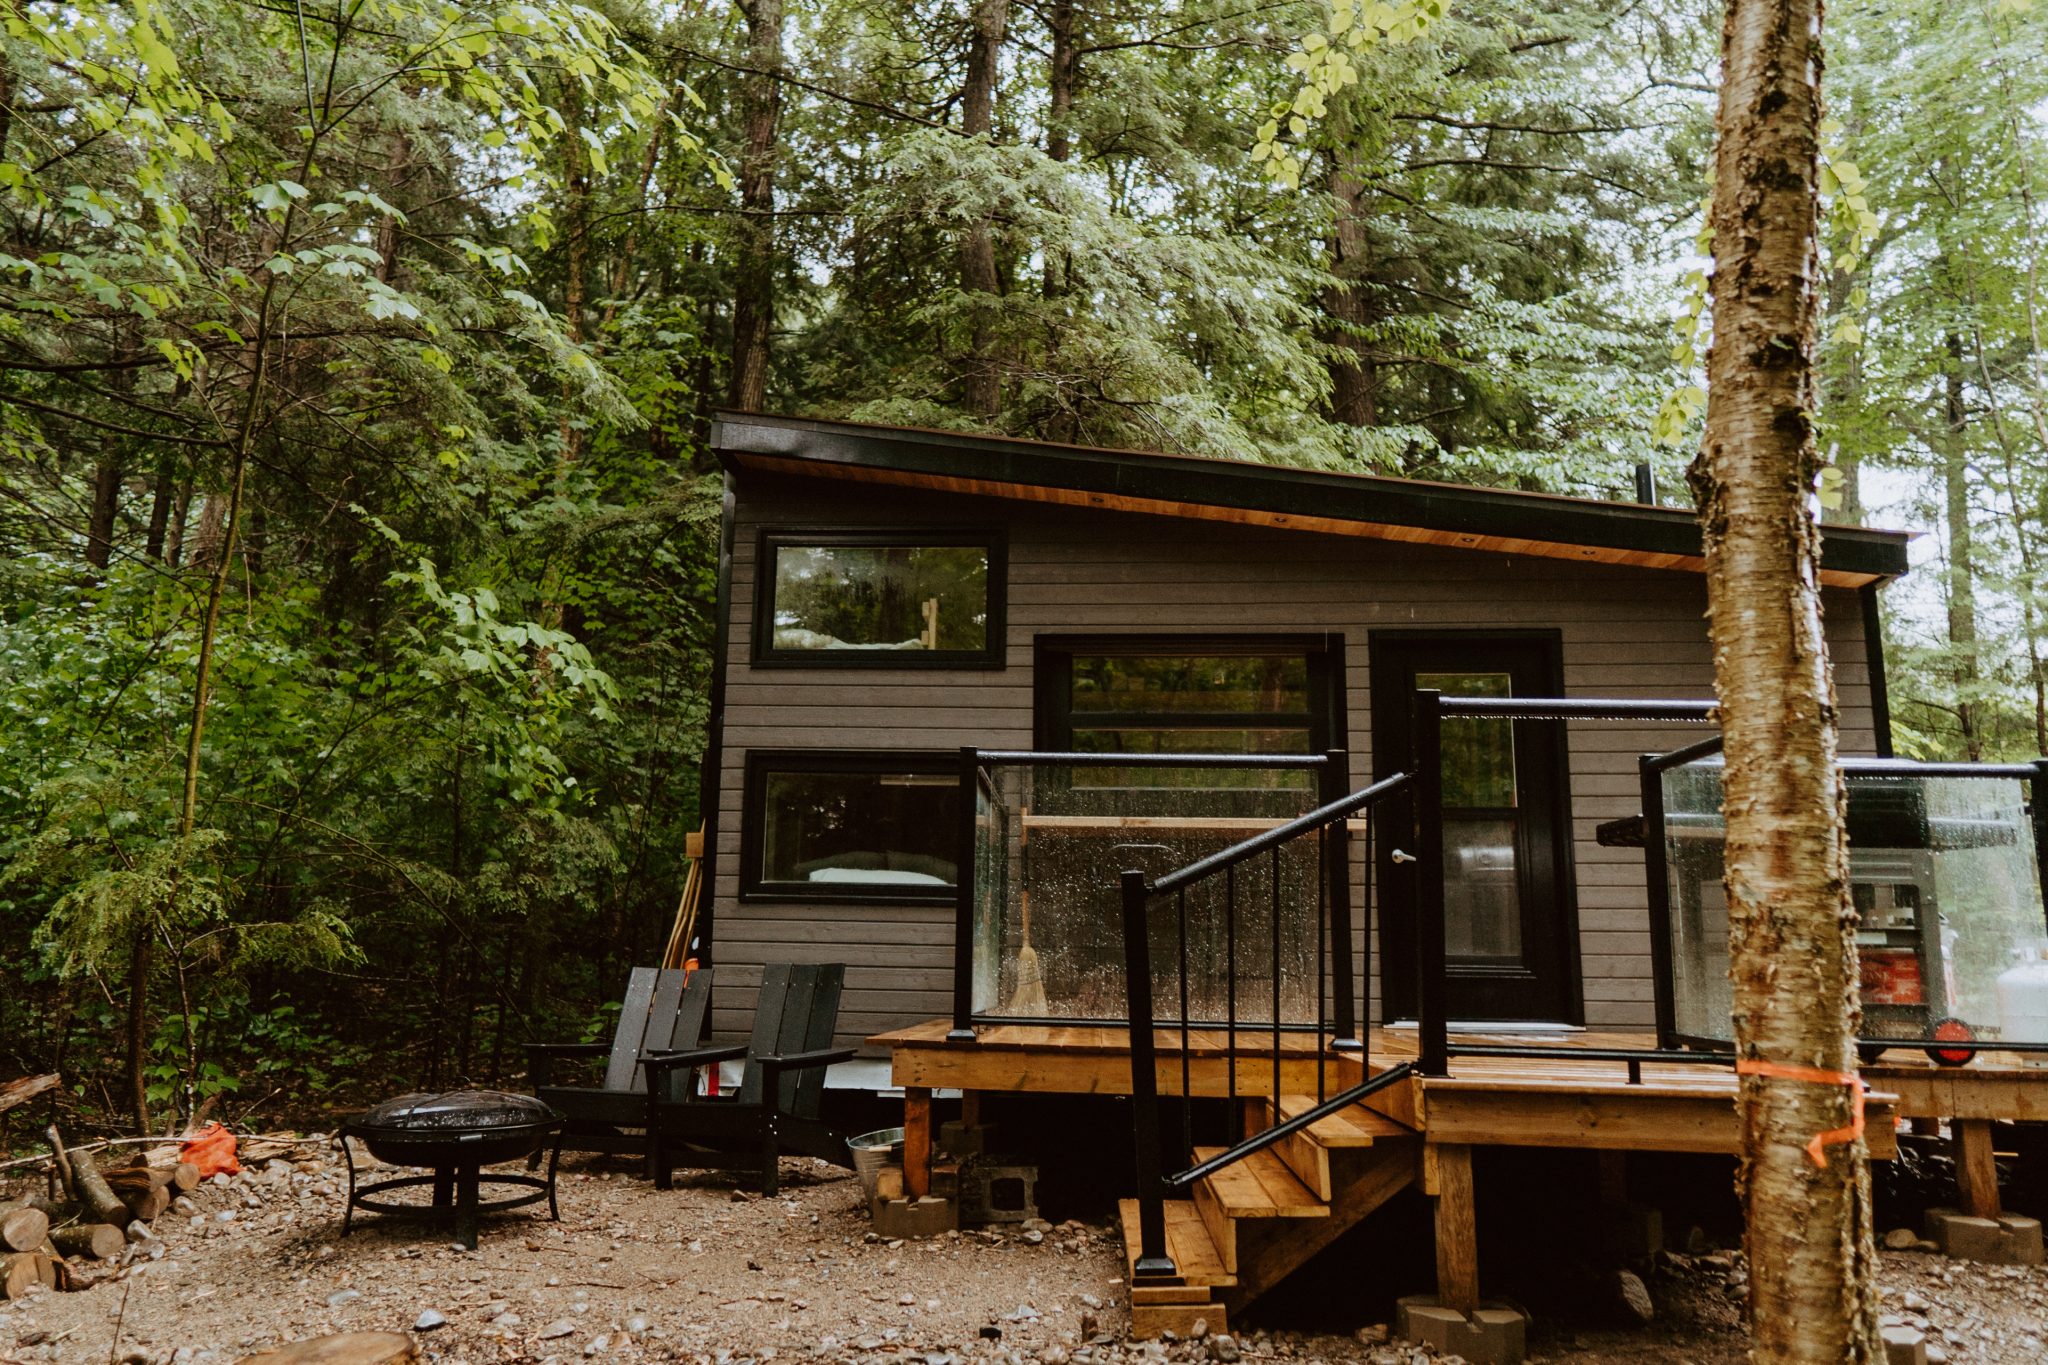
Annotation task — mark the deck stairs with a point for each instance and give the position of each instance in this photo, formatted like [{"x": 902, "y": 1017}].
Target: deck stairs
[{"x": 1254, "y": 1223}]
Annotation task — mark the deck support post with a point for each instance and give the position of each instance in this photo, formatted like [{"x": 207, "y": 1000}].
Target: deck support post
[
  {"x": 1457, "y": 1227},
  {"x": 1153, "y": 1258},
  {"x": 1432, "y": 1042},
  {"x": 1976, "y": 1167},
  {"x": 917, "y": 1141}
]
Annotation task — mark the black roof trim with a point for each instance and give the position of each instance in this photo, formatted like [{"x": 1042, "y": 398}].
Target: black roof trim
[{"x": 1278, "y": 489}]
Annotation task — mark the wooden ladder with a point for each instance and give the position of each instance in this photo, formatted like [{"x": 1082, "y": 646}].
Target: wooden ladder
[{"x": 1255, "y": 1222}]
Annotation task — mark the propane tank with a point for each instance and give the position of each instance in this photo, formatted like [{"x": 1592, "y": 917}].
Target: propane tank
[{"x": 2023, "y": 996}]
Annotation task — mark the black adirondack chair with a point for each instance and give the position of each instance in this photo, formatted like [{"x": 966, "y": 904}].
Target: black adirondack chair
[
  {"x": 777, "y": 1106},
  {"x": 661, "y": 1012}
]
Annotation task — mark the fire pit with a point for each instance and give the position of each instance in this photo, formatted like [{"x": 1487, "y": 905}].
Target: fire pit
[{"x": 455, "y": 1135}]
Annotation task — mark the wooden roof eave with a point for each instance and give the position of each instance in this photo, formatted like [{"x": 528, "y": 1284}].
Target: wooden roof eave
[{"x": 1242, "y": 493}]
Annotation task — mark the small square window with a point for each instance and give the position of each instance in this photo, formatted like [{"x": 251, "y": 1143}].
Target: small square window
[
  {"x": 882, "y": 599},
  {"x": 851, "y": 826}
]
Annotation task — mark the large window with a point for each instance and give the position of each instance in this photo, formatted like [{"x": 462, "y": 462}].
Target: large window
[
  {"x": 1185, "y": 695},
  {"x": 851, "y": 826},
  {"x": 882, "y": 598}
]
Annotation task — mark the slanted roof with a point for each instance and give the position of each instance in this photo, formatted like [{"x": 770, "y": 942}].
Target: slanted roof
[{"x": 1248, "y": 493}]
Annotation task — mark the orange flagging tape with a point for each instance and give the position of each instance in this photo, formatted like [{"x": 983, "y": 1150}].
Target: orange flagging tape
[{"x": 1753, "y": 1066}]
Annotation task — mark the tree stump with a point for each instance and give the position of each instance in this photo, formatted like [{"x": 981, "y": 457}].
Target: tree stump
[{"x": 344, "y": 1348}]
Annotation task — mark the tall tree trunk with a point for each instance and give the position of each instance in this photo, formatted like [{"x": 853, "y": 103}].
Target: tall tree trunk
[
  {"x": 1791, "y": 924},
  {"x": 753, "y": 305},
  {"x": 1059, "y": 109},
  {"x": 980, "y": 384},
  {"x": 181, "y": 510},
  {"x": 1839, "y": 396},
  {"x": 160, "y": 511},
  {"x": 1962, "y": 551},
  {"x": 1352, "y": 381},
  {"x": 106, "y": 503},
  {"x": 138, "y": 1027}
]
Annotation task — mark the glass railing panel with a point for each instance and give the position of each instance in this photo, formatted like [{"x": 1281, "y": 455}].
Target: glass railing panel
[
  {"x": 1944, "y": 875},
  {"x": 1054, "y": 842}
]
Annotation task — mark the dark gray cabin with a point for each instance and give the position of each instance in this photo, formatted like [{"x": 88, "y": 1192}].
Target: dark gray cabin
[{"x": 1038, "y": 596}]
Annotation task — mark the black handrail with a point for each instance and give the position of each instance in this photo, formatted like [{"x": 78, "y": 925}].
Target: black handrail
[
  {"x": 1279, "y": 834},
  {"x": 1326, "y": 824},
  {"x": 1038, "y": 758}
]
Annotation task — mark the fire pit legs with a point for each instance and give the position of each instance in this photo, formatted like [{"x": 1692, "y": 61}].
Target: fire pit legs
[{"x": 454, "y": 1137}]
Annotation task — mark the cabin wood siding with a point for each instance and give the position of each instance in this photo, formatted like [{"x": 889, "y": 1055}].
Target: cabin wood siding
[{"x": 1626, "y": 633}]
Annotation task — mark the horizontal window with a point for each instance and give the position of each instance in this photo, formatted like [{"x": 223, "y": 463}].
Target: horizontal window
[
  {"x": 880, "y": 598},
  {"x": 842, "y": 826}
]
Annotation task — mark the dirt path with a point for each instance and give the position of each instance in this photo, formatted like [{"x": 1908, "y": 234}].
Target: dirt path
[{"x": 705, "y": 1275}]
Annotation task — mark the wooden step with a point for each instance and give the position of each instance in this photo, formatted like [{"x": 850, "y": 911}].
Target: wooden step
[
  {"x": 1354, "y": 1126},
  {"x": 1323, "y": 1156},
  {"x": 1196, "y": 1260},
  {"x": 1258, "y": 1187}
]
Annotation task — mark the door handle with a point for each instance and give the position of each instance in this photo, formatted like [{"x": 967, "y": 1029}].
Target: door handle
[{"x": 1400, "y": 857}]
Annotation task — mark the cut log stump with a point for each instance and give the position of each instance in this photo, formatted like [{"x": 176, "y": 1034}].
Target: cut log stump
[
  {"x": 344, "y": 1348},
  {"x": 23, "y": 1229},
  {"x": 92, "y": 1241}
]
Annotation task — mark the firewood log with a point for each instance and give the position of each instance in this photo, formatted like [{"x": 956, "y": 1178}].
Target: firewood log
[
  {"x": 92, "y": 1241},
  {"x": 102, "y": 1203},
  {"x": 61, "y": 1160},
  {"x": 149, "y": 1204},
  {"x": 23, "y": 1229},
  {"x": 26, "y": 1089},
  {"x": 345, "y": 1348},
  {"x": 184, "y": 1177},
  {"x": 19, "y": 1273}
]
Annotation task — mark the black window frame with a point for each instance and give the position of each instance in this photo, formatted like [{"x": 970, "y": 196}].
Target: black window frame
[
  {"x": 761, "y": 763},
  {"x": 992, "y": 654},
  {"x": 1053, "y": 681}
]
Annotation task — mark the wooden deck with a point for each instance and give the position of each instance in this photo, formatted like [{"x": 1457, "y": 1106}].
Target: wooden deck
[
  {"x": 1484, "y": 1101},
  {"x": 1250, "y": 1225}
]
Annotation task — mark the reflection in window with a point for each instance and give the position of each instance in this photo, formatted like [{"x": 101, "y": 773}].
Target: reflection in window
[
  {"x": 868, "y": 827},
  {"x": 1194, "y": 703},
  {"x": 1479, "y": 752},
  {"x": 868, "y": 596},
  {"x": 1482, "y": 900}
]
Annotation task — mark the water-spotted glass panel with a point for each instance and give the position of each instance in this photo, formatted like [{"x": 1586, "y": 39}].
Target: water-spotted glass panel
[
  {"x": 866, "y": 597},
  {"x": 1946, "y": 885},
  {"x": 1054, "y": 842}
]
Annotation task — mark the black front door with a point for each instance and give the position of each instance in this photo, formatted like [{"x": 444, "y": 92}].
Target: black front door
[{"x": 1510, "y": 930}]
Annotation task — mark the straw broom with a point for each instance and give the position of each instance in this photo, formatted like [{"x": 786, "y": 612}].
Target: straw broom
[{"x": 1029, "y": 996}]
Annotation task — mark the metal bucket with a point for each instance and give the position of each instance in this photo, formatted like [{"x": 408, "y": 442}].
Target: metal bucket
[{"x": 873, "y": 1151}]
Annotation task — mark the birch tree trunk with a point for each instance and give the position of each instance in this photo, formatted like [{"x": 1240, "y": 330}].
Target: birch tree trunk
[{"x": 1791, "y": 924}]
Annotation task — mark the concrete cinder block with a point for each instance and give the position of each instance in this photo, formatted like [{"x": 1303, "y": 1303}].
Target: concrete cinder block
[
  {"x": 2022, "y": 1237},
  {"x": 993, "y": 1191},
  {"x": 1904, "y": 1346},
  {"x": 2010, "y": 1240},
  {"x": 1493, "y": 1334},
  {"x": 926, "y": 1217}
]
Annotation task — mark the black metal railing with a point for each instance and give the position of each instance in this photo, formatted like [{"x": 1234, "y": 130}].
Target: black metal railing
[
  {"x": 1436, "y": 1049},
  {"x": 1342, "y": 976}
]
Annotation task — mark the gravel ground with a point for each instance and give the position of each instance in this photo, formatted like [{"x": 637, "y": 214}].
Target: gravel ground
[{"x": 706, "y": 1275}]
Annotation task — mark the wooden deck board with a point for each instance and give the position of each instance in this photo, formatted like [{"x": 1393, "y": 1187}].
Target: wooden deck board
[{"x": 1485, "y": 1101}]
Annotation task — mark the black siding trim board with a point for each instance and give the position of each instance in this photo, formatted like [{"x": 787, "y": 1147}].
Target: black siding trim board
[{"x": 1274, "y": 489}]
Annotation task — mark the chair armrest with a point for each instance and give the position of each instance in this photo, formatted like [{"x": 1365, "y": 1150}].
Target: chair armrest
[
  {"x": 658, "y": 1062},
  {"x": 801, "y": 1061},
  {"x": 539, "y": 1055}
]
